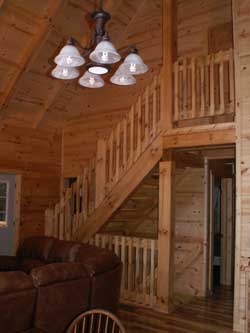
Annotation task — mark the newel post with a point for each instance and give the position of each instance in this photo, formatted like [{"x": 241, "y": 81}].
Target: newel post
[
  {"x": 100, "y": 172},
  {"x": 169, "y": 55},
  {"x": 166, "y": 236}
]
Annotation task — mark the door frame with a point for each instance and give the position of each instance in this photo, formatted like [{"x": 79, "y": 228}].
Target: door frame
[
  {"x": 17, "y": 209},
  {"x": 208, "y": 218}
]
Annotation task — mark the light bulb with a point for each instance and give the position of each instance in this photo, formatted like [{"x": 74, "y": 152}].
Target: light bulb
[
  {"x": 69, "y": 60},
  {"x": 92, "y": 81},
  {"x": 132, "y": 68},
  {"x": 65, "y": 72},
  {"x": 122, "y": 79},
  {"x": 104, "y": 56}
]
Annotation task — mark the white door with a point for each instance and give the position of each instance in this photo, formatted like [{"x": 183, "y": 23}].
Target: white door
[{"x": 7, "y": 213}]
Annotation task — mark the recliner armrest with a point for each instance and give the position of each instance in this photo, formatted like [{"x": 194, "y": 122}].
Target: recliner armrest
[{"x": 57, "y": 272}]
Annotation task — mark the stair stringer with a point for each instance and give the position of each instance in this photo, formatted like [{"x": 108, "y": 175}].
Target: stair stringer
[{"x": 127, "y": 184}]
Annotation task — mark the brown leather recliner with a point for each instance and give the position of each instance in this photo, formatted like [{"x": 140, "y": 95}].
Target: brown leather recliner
[{"x": 68, "y": 277}]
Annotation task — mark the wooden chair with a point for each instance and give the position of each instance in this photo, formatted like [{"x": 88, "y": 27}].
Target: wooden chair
[{"x": 96, "y": 321}]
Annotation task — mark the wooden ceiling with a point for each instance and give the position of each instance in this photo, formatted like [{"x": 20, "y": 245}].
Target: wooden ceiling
[{"x": 31, "y": 34}]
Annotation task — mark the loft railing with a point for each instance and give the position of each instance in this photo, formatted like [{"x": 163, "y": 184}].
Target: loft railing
[
  {"x": 204, "y": 87},
  {"x": 116, "y": 154},
  {"x": 139, "y": 257}
]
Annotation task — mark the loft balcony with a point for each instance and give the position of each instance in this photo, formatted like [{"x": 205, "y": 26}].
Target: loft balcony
[{"x": 204, "y": 90}]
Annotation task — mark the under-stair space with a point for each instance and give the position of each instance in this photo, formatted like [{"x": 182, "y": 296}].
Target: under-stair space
[{"x": 138, "y": 215}]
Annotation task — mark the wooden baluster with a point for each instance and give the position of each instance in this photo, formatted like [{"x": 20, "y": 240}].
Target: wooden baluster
[
  {"x": 212, "y": 88},
  {"x": 49, "y": 222},
  {"x": 67, "y": 215},
  {"x": 123, "y": 286},
  {"x": 125, "y": 142},
  {"x": 176, "y": 92},
  {"x": 152, "y": 271},
  {"x": 77, "y": 202},
  {"x": 144, "y": 274},
  {"x": 129, "y": 242},
  {"x": 131, "y": 151},
  {"x": 221, "y": 82},
  {"x": 85, "y": 194},
  {"x": 231, "y": 82},
  {"x": 202, "y": 89},
  {"x": 111, "y": 140},
  {"x": 184, "y": 87},
  {"x": 146, "y": 123},
  {"x": 116, "y": 241},
  {"x": 100, "y": 172},
  {"x": 135, "y": 134},
  {"x": 193, "y": 71},
  {"x": 139, "y": 124},
  {"x": 62, "y": 220},
  {"x": 156, "y": 127},
  {"x": 118, "y": 146}
]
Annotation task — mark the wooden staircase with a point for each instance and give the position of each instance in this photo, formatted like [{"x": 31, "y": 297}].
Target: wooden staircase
[{"x": 122, "y": 161}]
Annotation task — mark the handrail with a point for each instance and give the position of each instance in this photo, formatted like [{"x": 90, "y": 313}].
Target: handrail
[{"x": 204, "y": 86}]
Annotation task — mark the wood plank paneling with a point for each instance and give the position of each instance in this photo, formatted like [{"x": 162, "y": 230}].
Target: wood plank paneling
[
  {"x": 241, "y": 10},
  {"x": 35, "y": 155},
  {"x": 189, "y": 232},
  {"x": 195, "y": 18},
  {"x": 80, "y": 139}
]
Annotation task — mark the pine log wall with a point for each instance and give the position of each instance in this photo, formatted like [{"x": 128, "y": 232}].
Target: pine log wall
[
  {"x": 104, "y": 108},
  {"x": 189, "y": 232},
  {"x": 197, "y": 20},
  {"x": 35, "y": 155},
  {"x": 241, "y": 10}
]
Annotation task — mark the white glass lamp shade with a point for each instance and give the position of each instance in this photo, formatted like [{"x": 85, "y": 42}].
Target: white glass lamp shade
[
  {"x": 134, "y": 64},
  {"x": 89, "y": 80},
  {"x": 65, "y": 73},
  {"x": 69, "y": 56},
  {"x": 122, "y": 78},
  {"x": 105, "y": 53}
]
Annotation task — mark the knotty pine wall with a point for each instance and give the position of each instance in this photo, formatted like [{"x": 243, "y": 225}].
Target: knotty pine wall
[
  {"x": 242, "y": 68},
  {"x": 189, "y": 232},
  {"x": 80, "y": 139},
  {"x": 36, "y": 156},
  {"x": 195, "y": 18}
]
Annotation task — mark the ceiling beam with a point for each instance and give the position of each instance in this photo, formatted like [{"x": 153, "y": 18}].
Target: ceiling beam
[
  {"x": 31, "y": 53},
  {"x": 200, "y": 136}
]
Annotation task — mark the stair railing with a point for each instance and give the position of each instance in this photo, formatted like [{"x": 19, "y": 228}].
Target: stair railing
[
  {"x": 204, "y": 86},
  {"x": 139, "y": 257},
  {"x": 115, "y": 155}
]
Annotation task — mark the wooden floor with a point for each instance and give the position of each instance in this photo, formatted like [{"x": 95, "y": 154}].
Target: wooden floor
[{"x": 214, "y": 314}]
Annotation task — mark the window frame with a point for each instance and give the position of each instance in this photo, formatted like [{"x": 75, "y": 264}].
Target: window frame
[{"x": 5, "y": 223}]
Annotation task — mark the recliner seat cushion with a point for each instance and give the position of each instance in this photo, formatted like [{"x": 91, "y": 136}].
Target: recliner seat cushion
[
  {"x": 14, "y": 281},
  {"x": 57, "y": 272}
]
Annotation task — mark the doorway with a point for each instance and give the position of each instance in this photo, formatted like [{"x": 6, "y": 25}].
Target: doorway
[
  {"x": 221, "y": 224},
  {"x": 8, "y": 214}
]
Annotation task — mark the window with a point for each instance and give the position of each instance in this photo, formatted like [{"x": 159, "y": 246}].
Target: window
[{"x": 3, "y": 202}]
